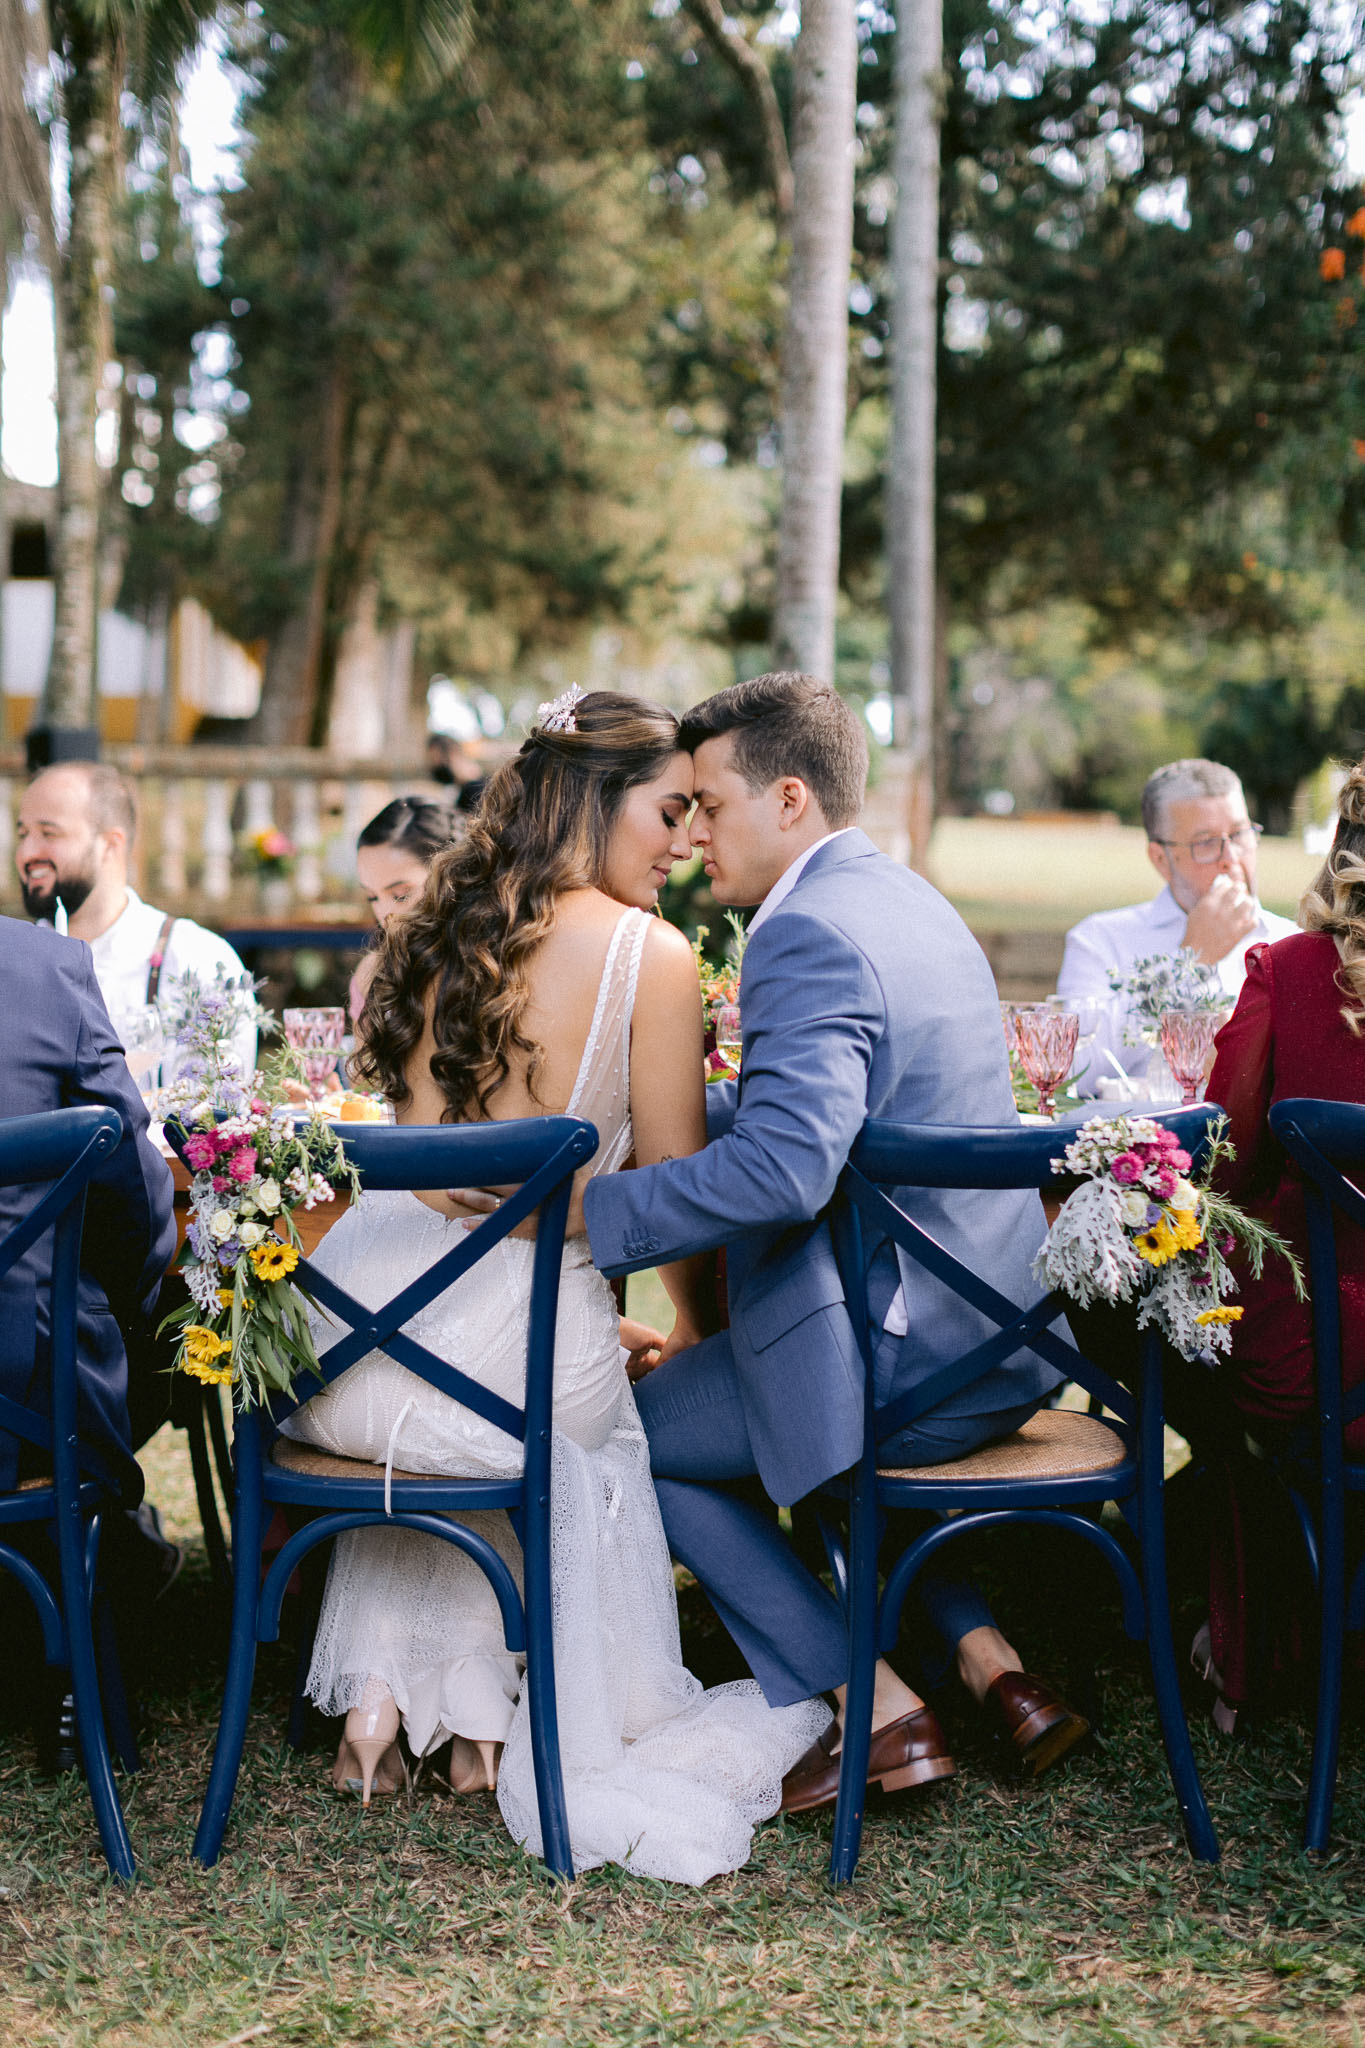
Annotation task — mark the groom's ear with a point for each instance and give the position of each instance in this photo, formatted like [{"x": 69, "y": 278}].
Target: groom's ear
[{"x": 794, "y": 802}]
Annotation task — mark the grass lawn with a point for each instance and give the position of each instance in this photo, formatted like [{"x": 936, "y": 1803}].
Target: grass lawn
[
  {"x": 1020, "y": 874},
  {"x": 994, "y": 1913}
]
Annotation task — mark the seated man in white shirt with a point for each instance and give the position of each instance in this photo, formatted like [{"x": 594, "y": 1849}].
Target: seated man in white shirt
[
  {"x": 75, "y": 833},
  {"x": 1203, "y": 845}
]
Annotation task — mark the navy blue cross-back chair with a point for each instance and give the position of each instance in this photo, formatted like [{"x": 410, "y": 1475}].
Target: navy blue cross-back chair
[
  {"x": 541, "y": 1154},
  {"x": 1057, "y": 1471},
  {"x": 1326, "y": 1141},
  {"x": 64, "y": 1148}
]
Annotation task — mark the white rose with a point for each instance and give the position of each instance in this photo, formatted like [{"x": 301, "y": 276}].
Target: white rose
[
  {"x": 1134, "y": 1207},
  {"x": 223, "y": 1224},
  {"x": 268, "y": 1197},
  {"x": 252, "y": 1234},
  {"x": 1186, "y": 1195}
]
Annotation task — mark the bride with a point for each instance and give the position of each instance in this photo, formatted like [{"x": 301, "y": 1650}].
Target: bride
[{"x": 531, "y": 980}]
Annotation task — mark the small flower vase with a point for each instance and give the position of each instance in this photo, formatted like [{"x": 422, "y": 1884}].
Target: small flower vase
[{"x": 276, "y": 895}]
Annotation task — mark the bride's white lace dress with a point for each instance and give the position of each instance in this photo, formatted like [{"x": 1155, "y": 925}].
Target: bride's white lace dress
[{"x": 659, "y": 1774}]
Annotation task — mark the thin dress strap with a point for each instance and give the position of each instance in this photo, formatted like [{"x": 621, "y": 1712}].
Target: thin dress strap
[{"x": 602, "y": 1090}]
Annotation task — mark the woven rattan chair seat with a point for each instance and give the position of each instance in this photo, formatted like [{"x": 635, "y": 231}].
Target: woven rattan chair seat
[
  {"x": 33, "y": 1485},
  {"x": 311, "y": 1463},
  {"x": 1055, "y": 1443}
]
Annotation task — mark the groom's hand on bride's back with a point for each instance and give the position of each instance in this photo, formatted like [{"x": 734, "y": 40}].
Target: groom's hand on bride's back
[{"x": 475, "y": 1204}]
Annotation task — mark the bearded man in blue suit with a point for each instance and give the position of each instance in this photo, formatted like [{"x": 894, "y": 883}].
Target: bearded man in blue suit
[{"x": 863, "y": 995}]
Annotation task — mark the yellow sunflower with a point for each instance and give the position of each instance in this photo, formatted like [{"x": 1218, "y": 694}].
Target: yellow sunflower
[
  {"x": 225, "y": 1297},
  {"x": 205, "y": 1354},
  {"x": 1158, "y": 1244},
  {"x": 273, "y": 1260},
  {"x": 1220, "y": 1315}
]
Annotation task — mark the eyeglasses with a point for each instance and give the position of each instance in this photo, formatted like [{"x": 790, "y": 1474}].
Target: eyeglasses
[{"x": 1208, "y": 847}]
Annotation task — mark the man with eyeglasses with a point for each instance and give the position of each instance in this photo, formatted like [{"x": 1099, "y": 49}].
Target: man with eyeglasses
[{"x": 1203, "y": 845}]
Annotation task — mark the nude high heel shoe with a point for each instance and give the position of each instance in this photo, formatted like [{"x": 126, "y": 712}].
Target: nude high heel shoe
[
  {"x": 370, "y": 1740},
  {"x": 474, "y": 1765}
]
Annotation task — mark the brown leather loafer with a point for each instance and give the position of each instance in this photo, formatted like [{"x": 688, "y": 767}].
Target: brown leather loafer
[
  {"x": 1039, "y": 1723},
  {"x": 907, "y": 1752}
]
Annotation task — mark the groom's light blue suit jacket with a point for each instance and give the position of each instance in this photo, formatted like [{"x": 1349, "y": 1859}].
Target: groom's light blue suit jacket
[{"x": 863, "y": 995}]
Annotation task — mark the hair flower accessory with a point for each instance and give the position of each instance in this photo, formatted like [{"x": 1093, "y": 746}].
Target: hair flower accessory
[{"x": 561, "y": 715}]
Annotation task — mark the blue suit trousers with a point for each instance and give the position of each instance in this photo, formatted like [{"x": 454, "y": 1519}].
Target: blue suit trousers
[{"x": 788, "y": 1626}]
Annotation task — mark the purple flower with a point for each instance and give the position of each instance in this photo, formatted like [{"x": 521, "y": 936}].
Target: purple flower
[
  {"x": 229, "y": 1253},
  {"x": 1126, "y": 1168}
]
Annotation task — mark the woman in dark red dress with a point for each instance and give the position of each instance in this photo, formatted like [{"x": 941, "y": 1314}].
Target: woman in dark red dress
[{"x": 1298, "y": 1029}]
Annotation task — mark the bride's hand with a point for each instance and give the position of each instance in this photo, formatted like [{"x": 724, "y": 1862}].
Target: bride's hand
[
  {"x": 644, "y": 1344},
  {"x": 680, "y": 1338}
]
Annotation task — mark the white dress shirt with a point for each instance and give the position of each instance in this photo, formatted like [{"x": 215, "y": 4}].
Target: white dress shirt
[
  {"x": 123, "y": 959},
  {"x": 1119, "y": 939}
]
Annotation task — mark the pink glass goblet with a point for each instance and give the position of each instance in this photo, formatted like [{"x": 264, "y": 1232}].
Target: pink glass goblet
[
  {"x": 1187, "y": 1040},
  {"x": 1046, "y": 1040},
  {"x": 317, "y": 1035},
  {"x": 1007, "y": 1021}
]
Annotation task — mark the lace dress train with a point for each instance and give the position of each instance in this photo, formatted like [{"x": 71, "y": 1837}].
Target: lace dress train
[{"x": 660, "y": 1774}]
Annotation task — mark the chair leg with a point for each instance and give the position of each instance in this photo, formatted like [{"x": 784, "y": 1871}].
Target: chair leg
[
  {"x": 247, "y": 1528},
  {"x": 99, "y": 1772},
  {"x": 1331, "y": 1655},
  {"x": 310, "y": 1606},
  {"x": 118, "y": 1721},
  {"x": 204, "y": 1495},
  {"x": 862, "y": 1663},
  {"x": 1200, "y": 1832},
  {"x": 540, "y": 1684}
]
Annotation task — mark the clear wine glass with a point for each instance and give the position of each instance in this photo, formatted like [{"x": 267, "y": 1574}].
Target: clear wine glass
[
  {"x": 1187, "y": 1040},
  {"x": 1046, "y": 1041},
  {"x": 317, "y": 1035},
  {"x": 728, "y": 1036},
  {"x": 144, "y": 1044},
  {"x": 1007, "y": 1022}
]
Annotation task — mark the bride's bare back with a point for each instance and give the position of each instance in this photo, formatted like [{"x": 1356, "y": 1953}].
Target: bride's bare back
[{"x": 667, "y": 1104}]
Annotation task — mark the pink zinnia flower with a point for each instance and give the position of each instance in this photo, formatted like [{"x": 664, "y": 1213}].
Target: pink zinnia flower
[
  {"x": 1163, "y": 1186},
  {"x": 243, "y": 1164},
  {"x": 1179, "y": 1161},
  {"x": 200, "y": 1151},
  {"x": 1126, "y": 1168},
  {"x": 221, "y": 1183}
]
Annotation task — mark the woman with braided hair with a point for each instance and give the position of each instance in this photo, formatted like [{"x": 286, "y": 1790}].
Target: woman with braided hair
[{"x": 1298, "y": 1029}]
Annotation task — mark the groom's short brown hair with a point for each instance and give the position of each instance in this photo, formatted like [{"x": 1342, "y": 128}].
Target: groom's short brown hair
[{"x": 789, "y": 724}]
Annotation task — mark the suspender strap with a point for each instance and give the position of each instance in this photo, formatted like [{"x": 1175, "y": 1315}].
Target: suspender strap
[{"x": 158, "y": 956}]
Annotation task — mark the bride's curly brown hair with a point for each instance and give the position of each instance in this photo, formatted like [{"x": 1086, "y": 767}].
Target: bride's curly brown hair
[
  {"x": 462, "y": 954},
  {"x": 1335, "y": 900}
]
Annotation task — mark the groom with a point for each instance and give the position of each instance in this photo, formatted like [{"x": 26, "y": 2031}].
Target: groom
[{"x": 863, "y": 995}]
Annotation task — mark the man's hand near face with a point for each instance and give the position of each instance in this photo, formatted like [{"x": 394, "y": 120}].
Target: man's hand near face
[{"x": 1221, "y": 919}]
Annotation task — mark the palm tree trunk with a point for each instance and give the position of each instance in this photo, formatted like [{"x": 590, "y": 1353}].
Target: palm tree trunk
[
  {"x": 815, "y": 351},
  {"x": 910, "y": 578},
  {"x": 81, "y": 304},
  {"x": 294, "y": 658}
]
